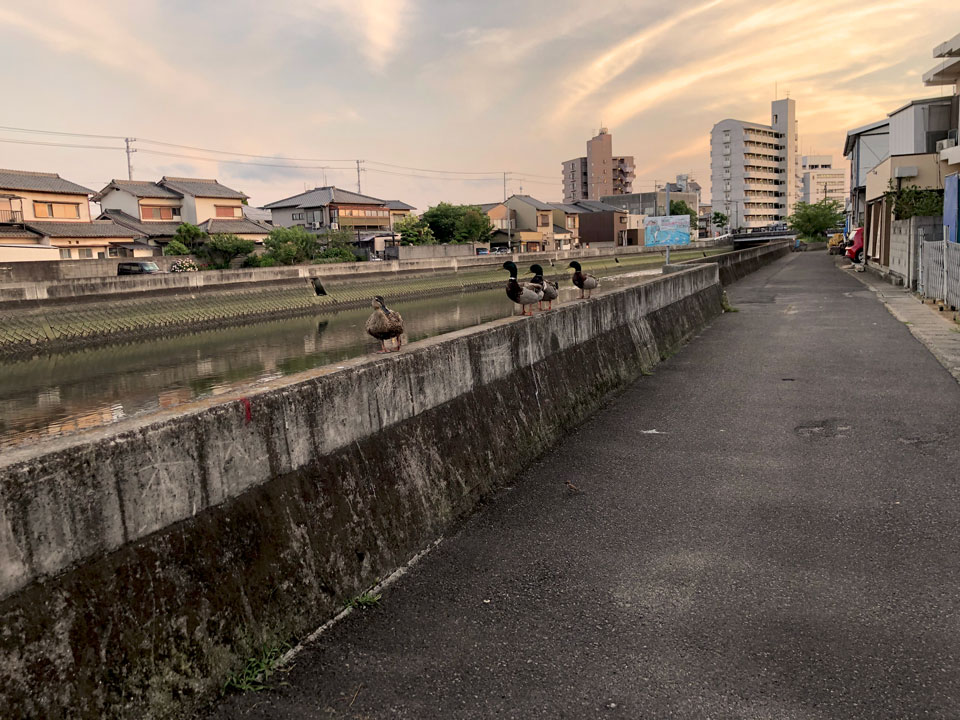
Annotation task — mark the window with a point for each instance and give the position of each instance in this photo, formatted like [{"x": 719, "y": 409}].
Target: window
[
  {"x": 571, "y": 223},
  {"x": 85, "y": 253},
  {"x": 155, "y": 212},
  {"x": 296, "y": 216},
  {"x": 229, "y": 211},
  {"x": 113, "y": 252},
  {"x": 56, "y": 210},
  {"x": 65, "y": 254}
]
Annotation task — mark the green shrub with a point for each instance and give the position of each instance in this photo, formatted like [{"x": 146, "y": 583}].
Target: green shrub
[
  {"x": 175, "y": 247},
  {"x": 190, "y": 236}
]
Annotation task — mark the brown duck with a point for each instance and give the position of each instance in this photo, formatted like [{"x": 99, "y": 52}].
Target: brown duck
[{"x": 384, "y": 324}]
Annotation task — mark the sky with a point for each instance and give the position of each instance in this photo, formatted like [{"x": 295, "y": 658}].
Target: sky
[{"x": 415, "y": 86}]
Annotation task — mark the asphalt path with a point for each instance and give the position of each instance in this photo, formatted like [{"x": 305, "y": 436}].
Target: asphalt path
[{"x": 785, "y": 545}]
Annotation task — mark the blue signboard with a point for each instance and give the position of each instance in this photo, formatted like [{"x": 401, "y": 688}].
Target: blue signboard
[
  {"x": 951, "y": 205},
  {"x": 666, "y": 230}
]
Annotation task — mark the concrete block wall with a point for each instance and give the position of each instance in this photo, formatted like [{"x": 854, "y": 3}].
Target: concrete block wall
[
  {"x": 141, "y": 564},
  {"x": 738, "y": 264}
]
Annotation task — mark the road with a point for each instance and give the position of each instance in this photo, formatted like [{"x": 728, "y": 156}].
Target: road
[{"x": 785, "y": 545}]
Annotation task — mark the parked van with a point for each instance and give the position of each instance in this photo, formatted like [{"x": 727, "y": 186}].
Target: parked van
[{"x": 141, "y": 267}]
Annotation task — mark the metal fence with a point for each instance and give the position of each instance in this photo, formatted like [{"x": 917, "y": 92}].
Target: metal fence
[{"x": 940, "y": 271}]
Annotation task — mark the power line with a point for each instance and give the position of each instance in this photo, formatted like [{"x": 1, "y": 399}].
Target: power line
[
  {"x": 433, "y": 177},
  {"x": 54, "y": 132},
  {"x": 54, "y": 144},
  {"x": 243, "y": 162},
  {"x": 497, "y": 173},
  {"x": 237, "y": 154}
]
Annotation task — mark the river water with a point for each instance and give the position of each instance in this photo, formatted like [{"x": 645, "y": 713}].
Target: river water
[{"x": 57, "y": 394}]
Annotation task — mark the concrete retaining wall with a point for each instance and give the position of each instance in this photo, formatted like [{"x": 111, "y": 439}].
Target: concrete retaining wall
[
  {"x": 141, "y": 564},
  {"x": 740, "y": 263}
]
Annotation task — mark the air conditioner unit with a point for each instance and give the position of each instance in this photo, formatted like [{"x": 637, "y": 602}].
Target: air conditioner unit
[
  {"x": 946, "y": 144},
  {"x": 334, "y": 226}
]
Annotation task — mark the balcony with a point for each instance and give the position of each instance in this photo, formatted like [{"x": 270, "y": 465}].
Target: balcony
[{"x": 11, "y": 216}]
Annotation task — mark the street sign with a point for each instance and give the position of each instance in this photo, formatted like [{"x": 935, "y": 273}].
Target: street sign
[{"x": 666, "y": 230}]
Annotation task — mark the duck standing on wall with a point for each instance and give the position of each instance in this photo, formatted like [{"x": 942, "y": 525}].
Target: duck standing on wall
[
  {"x": 583, "y": 280},
  {"x": 384, "y": 323},
  {"x": 551, "y": 291},
  {"x": 523, "y": 294}
]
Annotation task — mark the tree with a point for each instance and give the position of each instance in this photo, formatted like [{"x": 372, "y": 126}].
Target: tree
[
  {"x": 414, "y": 231},
  {"x": 338, "y": 246},
  {"x": 190, "y": 236},
  {"x": 680, "y": 207},
  {"x": 221, "y": 248},
  {"x": 720, "y": 220},
  {"x": 813, "y": 220},
  {"x": 292, "y": 245},
  {"x": 443, "y": 220},
  {"x": 914, "y": 201},
  {"x": 175, "y": 247},
  {"x": 341, "y": 239},
  {"x": 474, "y": 226}
]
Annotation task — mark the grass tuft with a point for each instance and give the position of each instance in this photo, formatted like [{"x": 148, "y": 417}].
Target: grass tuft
[
  {"x": 725, "y": 303},
  {"x": 365, "y": 600},
  {"x": 256, "y": 673}
]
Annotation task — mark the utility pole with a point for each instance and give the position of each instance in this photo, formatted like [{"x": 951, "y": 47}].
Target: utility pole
[
  {"x": 358, "y": 175},
  {"x": 130, "y": 151},
  {"x": 504, "y": 187},
  {"x": 667, "y": 259}
]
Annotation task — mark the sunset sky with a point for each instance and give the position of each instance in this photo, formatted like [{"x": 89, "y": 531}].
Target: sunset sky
[{"x": 492, "y": 86}]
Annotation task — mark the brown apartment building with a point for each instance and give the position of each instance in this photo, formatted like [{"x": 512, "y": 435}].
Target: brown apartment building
[{"x": 599, "y": 173}]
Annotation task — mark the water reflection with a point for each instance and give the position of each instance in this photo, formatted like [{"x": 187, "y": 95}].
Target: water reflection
[{"x": 56, "y": 394}]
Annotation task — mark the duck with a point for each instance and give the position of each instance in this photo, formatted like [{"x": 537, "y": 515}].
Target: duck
[
  {"x": 583, "y": 280},
  {"x": 384, "y": 324},
  {"x": 551, "y": 291},
  {"x": 523, "y": 294}
]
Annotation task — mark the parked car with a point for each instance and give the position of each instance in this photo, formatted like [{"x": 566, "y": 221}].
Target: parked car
[
  {"x": 855, "y": 246},
  {"x": 502, "y": 251},
  {"x": 140, "y": 267},
  {"x": 482, "y": 251}
]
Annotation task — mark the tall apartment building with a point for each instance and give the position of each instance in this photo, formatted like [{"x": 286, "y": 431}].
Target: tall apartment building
[
  {"x": 599, "y": 173},
  {"x": 821, "y": 180},
  {"x": 755, "y": 168}
]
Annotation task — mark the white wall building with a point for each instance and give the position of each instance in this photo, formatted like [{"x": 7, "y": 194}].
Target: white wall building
[
  {"x": 755, "y": 168},
  {"x": 822, "y": 180}
]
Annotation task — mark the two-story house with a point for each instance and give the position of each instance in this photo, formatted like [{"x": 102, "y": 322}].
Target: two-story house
[
  {"x": 533, "y": 216},
  {"x": 157, "y": 209},
  {"x": 327, "y": 208},
  {"x": 39, "y": 211},
  {"x": 567, "y": 217},
  {"x": 398, "y": 211},
  {"x": 603, "y": 225},
  {"x": 501, "y": 217}
]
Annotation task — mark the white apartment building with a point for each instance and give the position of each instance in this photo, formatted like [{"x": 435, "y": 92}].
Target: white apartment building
[
  {"x": 822, "y": 180},
  {"x": 755, "y": 168}
]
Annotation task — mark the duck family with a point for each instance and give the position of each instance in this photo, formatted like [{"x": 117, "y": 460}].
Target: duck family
[
  {"x": 385, "y": 324},
  {"x": 538, "y": 289}
]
